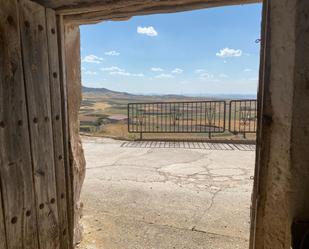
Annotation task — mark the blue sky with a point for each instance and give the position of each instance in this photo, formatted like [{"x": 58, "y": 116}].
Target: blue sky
[{"x": 203, "y": 52}]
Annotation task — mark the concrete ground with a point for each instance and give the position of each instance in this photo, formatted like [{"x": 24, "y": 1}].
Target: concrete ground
[{"x": 156, "y": 195}]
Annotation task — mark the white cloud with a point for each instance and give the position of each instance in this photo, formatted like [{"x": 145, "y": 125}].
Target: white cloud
[
  {"x": 177, "y": 71},
  {"x": 206, "y": 76},
  {"x": 247, "y": 70},
  {"x": 92, "y": 59},
  {"x": 156, "y": 69},
  {"x": 123, "y": 73},
  {"x": 254, "y": 79},
  {"x": 149, "y": 31},
  {"x": 229, "y": 52},
  {"x": 198, "y": 71},
  {"x": 164, "y": 76},
  {"x": 112, "y": 53},
  {"x": 222, "y": 75},
  {"x": 112, "y": 69},
  {"x": 88, "y": 72},
  {"x": 138, "y": 75}
]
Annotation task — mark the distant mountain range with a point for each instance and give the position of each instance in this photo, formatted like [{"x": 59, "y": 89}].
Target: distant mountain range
[
  {"x": 107, "y": 92},
  {"x": 101, "y": 90}
]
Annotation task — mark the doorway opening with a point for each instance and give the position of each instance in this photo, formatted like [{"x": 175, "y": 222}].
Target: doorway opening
[{"x": 173, "y": 189}]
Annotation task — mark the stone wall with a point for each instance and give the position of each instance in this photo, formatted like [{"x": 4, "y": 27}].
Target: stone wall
[{"x": 282, "y": 181}]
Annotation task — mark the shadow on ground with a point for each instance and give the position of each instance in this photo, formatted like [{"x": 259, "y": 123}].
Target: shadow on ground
[{"x": 189, "y": 145}]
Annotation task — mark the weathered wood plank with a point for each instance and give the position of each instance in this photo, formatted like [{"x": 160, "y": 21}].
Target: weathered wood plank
[
  {"x": 83, "y": 6},
  {"x": 65, "y": 126},
  {"x": 15, "y": 157},
  {"x": 77, "y": 160},
  {"x": 56, "y": 114},
  {"x": 2, "y": 226},
  {"x": 36, "y": 70},
  {"x": 123, "y": 10}
]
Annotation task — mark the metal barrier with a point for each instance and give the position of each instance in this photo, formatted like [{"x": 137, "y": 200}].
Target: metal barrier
[
  {"x": 243, "y": 116},
  {"x": 192, "y": 117}
]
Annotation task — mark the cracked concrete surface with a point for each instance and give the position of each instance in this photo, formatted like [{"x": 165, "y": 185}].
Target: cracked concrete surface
[{"x": 153, "y": 197}]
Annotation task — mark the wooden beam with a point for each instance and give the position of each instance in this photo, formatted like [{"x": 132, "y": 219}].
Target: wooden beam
[
  {"x": 36, "y": 72},
  {"x": 56, "y": 117},
  {"x": 83, "y": 6},
  {"x": 65, "y": 126},
  {"x": 3, "y": 241},
  {"x": 120, "y": 14},
  {"x": 74, "y": 97},
  {"x": 125, "y": 9},
  {"x": 15, "y": 155}
]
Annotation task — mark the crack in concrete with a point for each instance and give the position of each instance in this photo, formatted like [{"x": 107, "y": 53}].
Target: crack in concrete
[
  {"x": 212, "y": 200},
  {"x": 193, "y": 229},
  {"x": 190, "y": 170},
  {"x": 176, "y": 179}
]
